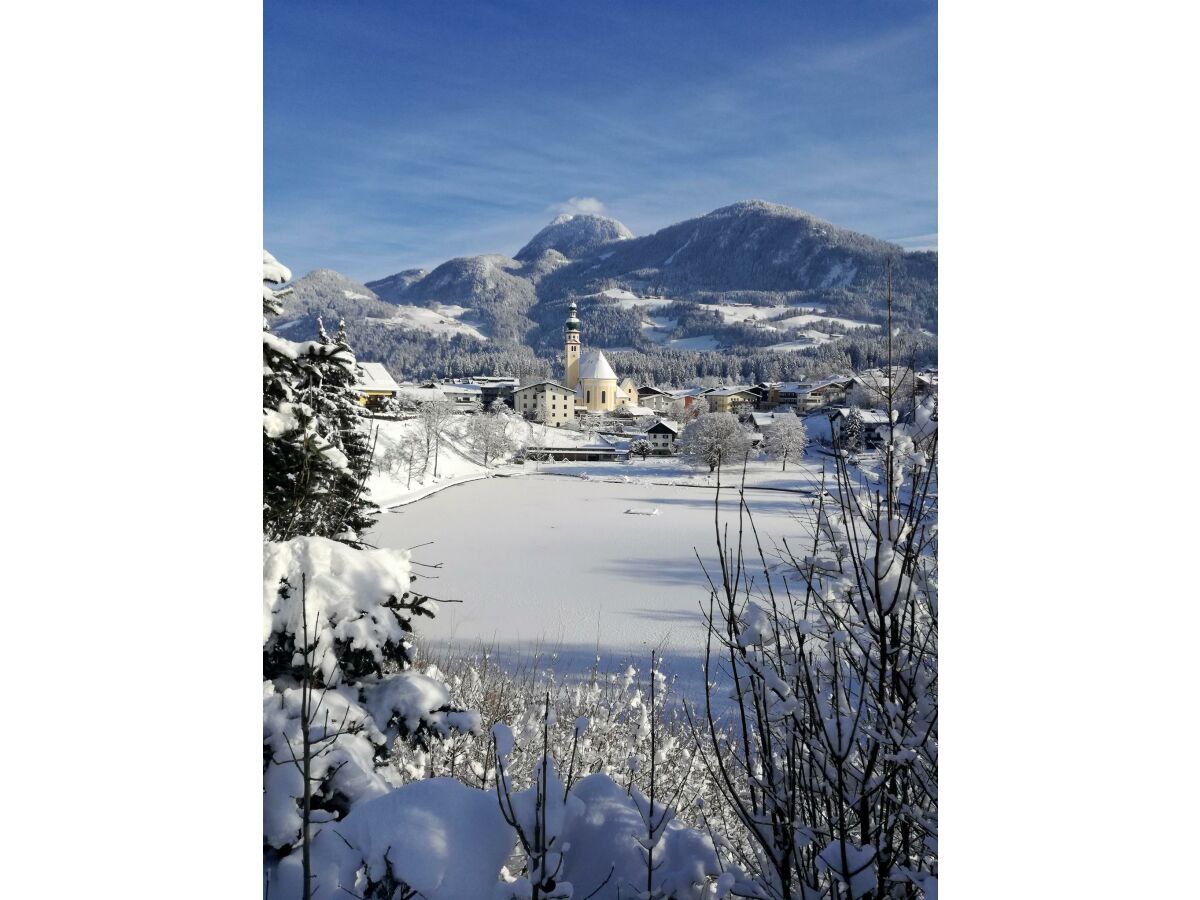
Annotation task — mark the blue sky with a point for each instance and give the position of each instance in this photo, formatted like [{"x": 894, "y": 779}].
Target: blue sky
[{"x": 401, "y": 134}]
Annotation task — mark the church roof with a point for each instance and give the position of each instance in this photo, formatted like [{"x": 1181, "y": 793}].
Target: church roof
[{"x": 593, "y": 364}]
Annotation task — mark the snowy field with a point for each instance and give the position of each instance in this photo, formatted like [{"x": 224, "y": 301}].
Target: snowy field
[{"x": 566, "y": 566}]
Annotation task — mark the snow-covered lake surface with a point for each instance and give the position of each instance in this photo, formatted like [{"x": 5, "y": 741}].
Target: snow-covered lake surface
[{"x": 564, "y": 567}]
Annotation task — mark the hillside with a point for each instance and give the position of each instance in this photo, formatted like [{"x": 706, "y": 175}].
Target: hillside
[{"x": 753, "y": 279}]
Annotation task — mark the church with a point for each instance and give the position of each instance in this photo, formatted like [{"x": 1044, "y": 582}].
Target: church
[
  {"x": 589, "y": 387},
  {"x": 590, "y": 376}
]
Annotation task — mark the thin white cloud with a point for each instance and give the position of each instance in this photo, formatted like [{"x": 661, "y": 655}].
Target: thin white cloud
[
  {"x": 918, "y": 241},
  {"x": 581, "y": 206}
]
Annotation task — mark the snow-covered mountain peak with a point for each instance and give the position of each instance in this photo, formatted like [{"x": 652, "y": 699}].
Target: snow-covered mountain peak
[{"x": 575, "y": 236}]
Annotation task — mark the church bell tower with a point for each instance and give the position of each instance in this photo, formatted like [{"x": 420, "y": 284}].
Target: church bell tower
[{"x": 572, "y": 349}]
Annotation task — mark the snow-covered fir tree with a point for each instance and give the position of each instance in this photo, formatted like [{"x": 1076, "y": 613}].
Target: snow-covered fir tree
[
  {"x": 851, "y": 438},
  {"x": 303, "y": 471}
]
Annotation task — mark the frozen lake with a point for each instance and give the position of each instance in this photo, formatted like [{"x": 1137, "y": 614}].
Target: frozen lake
[{"x": 554, "y": 564}]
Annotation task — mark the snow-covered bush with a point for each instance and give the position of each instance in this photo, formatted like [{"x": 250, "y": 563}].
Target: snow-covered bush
[
  {"x": 591, "y": 837},
  {"x": 487, "y": 433},
  {"x": 436, "y": 839},
  {"x": 337, "y": 692}
]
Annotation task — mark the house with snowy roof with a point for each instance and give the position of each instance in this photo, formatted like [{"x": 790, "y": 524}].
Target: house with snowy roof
[
  {"x": 374, "y": 384},
  {"x": 764, "y": 420},
  {"x": 463, "y": 394},
  {"x": 547, "y": 402},
  {"x": 875, "y": 422},
  {"x": 662, "y": 436},
  {"x": 731, "y": 399},
  {"x": 654, "y": 398},
  {"x": 806, "y": 395}
]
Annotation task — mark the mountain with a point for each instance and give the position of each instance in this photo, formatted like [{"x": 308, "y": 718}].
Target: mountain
[
  {"x": 575, "y": 236},
  {"x": 745, "y": 279},
  {"x": 497, "y": 289},
  {"x": 393, "y": 286},
  {"x": 330, "y": 295},
  {"x": 750, "y": 246}
]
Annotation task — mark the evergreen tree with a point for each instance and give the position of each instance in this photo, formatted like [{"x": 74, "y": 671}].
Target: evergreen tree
[
  {"x": 852, "y": 431},
  {"x": 314, "y": 459}
]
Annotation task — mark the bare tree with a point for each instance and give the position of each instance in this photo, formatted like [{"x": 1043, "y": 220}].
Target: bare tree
[
  {"x": 831, "y": 648},
  {"x": 785, "y": 437},
  {"x": 714, "y": 439}
]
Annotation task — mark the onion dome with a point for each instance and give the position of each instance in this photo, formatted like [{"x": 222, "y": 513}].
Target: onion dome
[{"x": 573, "y": 320}]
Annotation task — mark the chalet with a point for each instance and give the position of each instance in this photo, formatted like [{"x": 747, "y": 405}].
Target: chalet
[
  {"x": 805, "y": 395},
  {"x": 875, "y": 425},
  {"x": 654, "y": 398},
  {"x": 547, "y": 402},
  {"x": 731, "y": 400},
  {"x": 463, "y": 394},
  {"x": 689, "y": 396},
  {"x": 374, "y": 385},
  {"x": 662, "y": 436}
]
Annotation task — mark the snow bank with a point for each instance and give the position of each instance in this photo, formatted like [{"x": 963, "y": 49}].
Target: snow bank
[
  {"x": 605, "y": 836},
  {"x": 439, "y": 837}
]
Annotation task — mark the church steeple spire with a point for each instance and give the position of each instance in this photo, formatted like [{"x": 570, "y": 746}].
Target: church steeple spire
[{"x": 573, "y": 347}]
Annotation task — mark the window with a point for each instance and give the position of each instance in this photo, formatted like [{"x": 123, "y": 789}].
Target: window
[
  {"x": 589, "y": 396},
  {"x": 602, "y": 393}
]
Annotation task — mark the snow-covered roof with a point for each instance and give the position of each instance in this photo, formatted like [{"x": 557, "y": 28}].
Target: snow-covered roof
[
  {"x": 462, "y": 389},
  {"x": 729, "y": 392},
  {"x": 594, "y": 364},
  {"x": 868, "y": 416},
  {"x": 421, "y": 394},
  {"x": 635, "y": 410},
  {"x": 673, "y": 427},
  {"x": 374, "y": 377},
  {"x": 651, "y": 391},
  {"x": 541, "y": 386},
  {"x": 767, "y": 419}
]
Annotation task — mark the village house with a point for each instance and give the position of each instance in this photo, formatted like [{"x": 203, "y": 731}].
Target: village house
[
  {"x": 547, "y": 402},
  {"x": 374, "y": 385},
  {"x": 655, "y": 399},
  {"x": 735, "y": 400},
  {"x": 662, "y": 436},
  {"x": 875, "y": 423},
  {"x": 689, "y": 396},
  {"x": 805, "y": 395}
]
